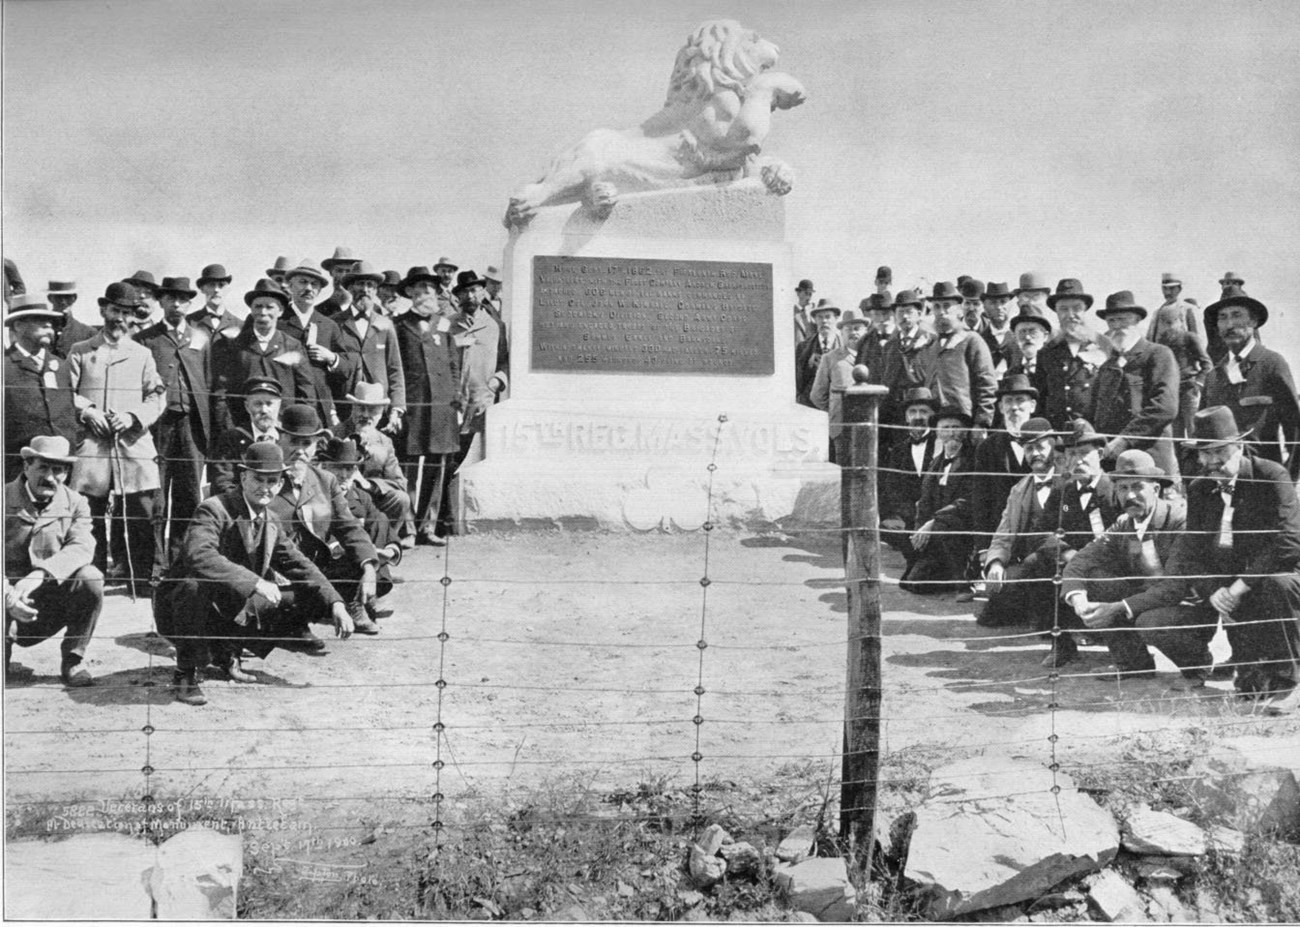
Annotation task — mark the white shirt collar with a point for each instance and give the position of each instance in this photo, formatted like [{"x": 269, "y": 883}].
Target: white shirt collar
[
  {"x": 1250, "y": 346},
  {"x": 1140, "y": 527}
]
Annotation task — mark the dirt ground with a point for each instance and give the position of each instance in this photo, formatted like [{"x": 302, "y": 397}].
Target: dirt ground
[{"x": 570, "y": 658}]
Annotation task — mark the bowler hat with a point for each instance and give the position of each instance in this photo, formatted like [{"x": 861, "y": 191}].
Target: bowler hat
[
  {"x": 54, "y": 448},
  {"x": 340, "y": 452},
  {"x": 1082, "y": 432},
  {"x": 1231, "y": 277},
  {"x": 466, "y": 279},
  {"x": 213, "y": 273},
  {"x": 1140, "y": 465},
  {"x": 997, "y": 291},
  {"x": 178, "y": 285},
  {"x": 368, "y": 394},
  {"x": 884, "y": 275},
  {"x": 1015, "y": 384},
  {"x": 1035, "y": 429},
  {"x": 267, "y": 287},
  {"x": 263, "y": 457},
  {"x": 919, "y": 396},
  {"x": 446, "y": 262},
  {"x": 492, "y": 274},
  {"x": 280, "y": 269},
  {"x": 307, "y": 268},
  {"x": 301, "y": 421},
  {"x": 825, "y": 305},
  {"x": 415, "y": 275},
  {"x": 1168, "y": 279},
  {"x": 1121, "y": 301},
  {"x": 363, "y": 270},
  {"x": 142, "y": 280},
  {"x": 262, "y": 385},
  {"x": 876, "y": 302},
  {"x": 1069, "y": 288},
  {"x": 850, "y": 317},
  {"x": 946, "y": 289},
  {"x": 1031, "y": 282},
  {"x": 973, "y": 289},
  {"x": 1234, "y": 295},
  {"x": 963, "y": 279},
  {"x": 341, "y": 255},
  {"x": 30, "y": 306},
  {"x": 1214, "y": 427},
  {"x": 804, "y": 284},
  {"x": 62, "y": 288},
  {"x": 954, "y": 412},
  {"x": 1032, "y": 314},
  {"x": 392, "y": 279},
  {"x": 909, "y": 298},
  {"x": 122, "y": 295}
]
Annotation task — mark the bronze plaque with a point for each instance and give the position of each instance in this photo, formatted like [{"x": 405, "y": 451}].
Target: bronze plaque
[{"x": 634, "y": 315}]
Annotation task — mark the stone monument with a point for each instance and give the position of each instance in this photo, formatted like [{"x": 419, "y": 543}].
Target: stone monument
[{"x": 651, "y": 344}]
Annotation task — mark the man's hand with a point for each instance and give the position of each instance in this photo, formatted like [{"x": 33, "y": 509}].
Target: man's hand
[
  {"x": 1225, "y": 601},
  {"x": 321, "y": 354},
  {"x": 1080, "y": 604},
  {"x": 1104, "y": 614},
  {"x": 266, "y": 594},
  {"x": 921, "y": 536},
  {"x": 368, "y": 583},
  {"x": 18, "y": 598},
  {"x": 993, "y": 577},
  {"x": 394, "y": 425},
  {"x": 119, "y": 422},
  {"x": 333, "y": 417},
  {"x": 342, "y": 620},
  {"x": 97, "y": 422}
]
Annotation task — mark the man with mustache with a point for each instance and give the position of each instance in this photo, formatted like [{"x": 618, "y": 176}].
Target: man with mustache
[
  {"x": 1254, "y": 382},
  {"x": 1071, "y": 359},
  {"x": 993, "y": 323},
  {"x": 1000, "y": 461},
  {"x": 329, "y": 364},
  {"x": 905, "y": 465},
  {"x": 38, "y": 393},
  {"x": 956, "y": 364},
  {"x": 834, "y": 374},
  {"x": 808, "y": 354},
  {"x": 1117, "y": 584},
  {"x": 941, "y": 546},
  {"x": 262, "y": 401},
  {"x": 49, "y": 581},
  {"x": 369, "y": 340},
  {"x": 1031, "y": 330},
  {"x": 880, "y": 340}
]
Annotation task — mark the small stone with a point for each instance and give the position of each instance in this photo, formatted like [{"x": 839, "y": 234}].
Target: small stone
[
  {"x": 1165, "y": 906},
  {"x": 1148, "y": 831},
  {"x": 706, "y": 869},
  {"x": 743, "y": 859},
  {"x": 820, "y": 887},
  {"x": 713, "y": 839},
  {"x": 797, "y": 845},
  {"x": 689, "y": 897},
  {"x": 571, "y": 912},
  {"x": 1248, "y": 795},
  {"x": 1225, "y": 840},
  {"x": 1115, "y": 900},
  {"x": 1158, "y": 872}
]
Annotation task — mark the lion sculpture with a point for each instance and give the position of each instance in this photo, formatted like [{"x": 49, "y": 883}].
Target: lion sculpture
[{"x": 721, "y": 97}]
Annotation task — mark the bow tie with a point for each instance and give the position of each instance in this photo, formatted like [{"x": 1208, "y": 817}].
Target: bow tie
[
  {"x": 916, "y": 441},
  {"x": 1225, "y": 487},
  {"x": 1045, "y": 481}
]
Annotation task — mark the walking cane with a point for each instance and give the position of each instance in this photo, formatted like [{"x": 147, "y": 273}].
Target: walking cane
[
  {"x": 419, "y": 483},
  {"x": 116, "y": 462}
]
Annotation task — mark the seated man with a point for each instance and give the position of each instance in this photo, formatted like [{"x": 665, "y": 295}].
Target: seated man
[
  {"x": 942, "y": 545},
  {"x": 1115, "y": 582},
  {"x": 262, "y": 405},
  {"x": 316, "y": 514},
  {"x": 1018, "y": 580},
  {"x": 340, "y": 457},
  {"x": 999, "y": 462},
  {"x": 222, "y": 595},
  {"x": 905, "y": 467},
  {"x": 379, "y": 463},
  {"x": 49, "y": 582}
]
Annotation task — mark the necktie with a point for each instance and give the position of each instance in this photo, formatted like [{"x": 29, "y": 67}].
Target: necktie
[
  {"x": 265, "y": 437},
  {"x": 1121, "y": 360},
  {"x": 1042, "y": 488},
  {"x": 1029, "y": 370},
  {"x": 947, "y": 471},
  {"x": 1225, "y": 522},
  {"x": 1142, "y": 552},
  {"x": 259, "y": 536}
]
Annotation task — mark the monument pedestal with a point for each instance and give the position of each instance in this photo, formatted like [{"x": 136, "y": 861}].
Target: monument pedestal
[{"x": 646, "y": 347}]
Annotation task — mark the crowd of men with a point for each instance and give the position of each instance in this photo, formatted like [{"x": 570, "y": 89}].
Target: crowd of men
[
  {"x": 247, "y": 474},
  {"x": 1136, "y": 484}
]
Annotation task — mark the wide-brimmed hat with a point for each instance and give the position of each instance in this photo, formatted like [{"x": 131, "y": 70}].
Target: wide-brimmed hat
[
  {"x": 804, "y": 284},
  {"x": 446, "y": 262},
  {"x": 884, "y": 275},
  {"x": 1171, "y": 279},
  {"x": 1214, "y": 427},
  {"x": 339, "y": 452},
  {"x": 1069, "y": 288},
  {"x": 62, "y": 288},
  {"x": 1121, "y": 301},
  {"x": 54, "y": 448},
  {"x": 307, "y": 268},
  {"x": 851, "y": 317},
  {"x": 997, "y": 291},
  {"x": 122, "y": 295},
  {"x": 213, "y": 273},
  {"x": 1036, "y": 429},
  {"x": 263, "y": 457},
  {"x": 1234, "y": 295},
  {"x": 877, "y": 302},
  {"x": 1031, "y": 282},
  {"x": 1139, "y": 465},
  {"x": 825, "y": 305},
  {"x": 142, "y": 280},
  {"x": 341, "y": 255},
  {"x": 266, "y": 287},
  {"x": 954, "y": 412},
  {"x": 466, "y": 279},
  {"x": 262, "y": 385},
  {"x": 492, "y": 274},
  {"x": 909, "y": 298},
  {"x": 1230, "y": 277},
  {"x": 972, "y": 289},
  {"x": 301, "y": 421},
  {"x": 918, "y": 396},
  {"x": 392, "y": 279},
  {"x": 178, "y": 285},
  {"x": 1033, "y": 315},
  {"x": 363, "y": 270},
  {"x": 30, "y": 306},
  {"x": 1082, "y": 432},
  {"x": 1014, "y": 384},
  {"x": 414, "y": 276},
  {"x": 281, "y": 267},
  {"x": 946, "y": 289},
  {"x": 368, "y": 394}
]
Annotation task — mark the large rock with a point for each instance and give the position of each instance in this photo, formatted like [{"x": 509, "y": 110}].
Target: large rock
[
  {"x": 1160, "y": 833},
  {"x": 797, "y": 845},
  {"x": 1246, "y": 792},
  {"x": 819, "y": 886},
  {"x": 86, "y": 877},
  {"x": 991, "y": 832},
  {"x": 706, "y": 869},
  {"x": 196, "y": 876},
  {"x": 743, "y": 859},
  {"x": 1113, "y": 899}
]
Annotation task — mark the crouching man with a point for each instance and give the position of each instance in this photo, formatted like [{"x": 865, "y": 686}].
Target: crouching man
[
  {"x": 223, "y": 595},
  {"x": 49, "y": 582}
]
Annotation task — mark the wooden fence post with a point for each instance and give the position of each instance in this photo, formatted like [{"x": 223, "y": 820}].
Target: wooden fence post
[{"x": 861, "y": 523}]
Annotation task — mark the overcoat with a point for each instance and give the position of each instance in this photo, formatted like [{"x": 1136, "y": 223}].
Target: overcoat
[
  {"x": 431, "y": 366},
  {"x": 56, "y": 539},
  {"x": 38, "y": 401}
]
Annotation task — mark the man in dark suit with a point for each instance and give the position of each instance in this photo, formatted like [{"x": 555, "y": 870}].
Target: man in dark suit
[
  {"x": 994, "y": 324},
  {"x": 262, "y": 400},
  {"x": 1000, "y": 461},
  {"x": 49, "y": 581},
  {"x": 941, "y": 545},
  {"x": 37, "y": 385},
  {"x": 900, "y": 370},
  {"x": 368, "y": 340},
  {"x": 191, "y": 419},
  {"x": 880, "y": 340},
  {"x": 1254, "y": 382},
  {"x": 316, "y": 515},
  {"x": 212, "y": 316},
  {"x": 908, "y": 460},
  {"x": 1071, "y": 358},
  {"x": 222, "y": 595},
  {"x": 808, "y": 353},
  {"x": 1135, "y": 395},
  {"x": 338, "y": 266},
  {"x": 260, "y": 350},
  {"x": 331, "y": 367},
  {"x": 1032, "y": 329},
  {"x": 62, "y": 294}
]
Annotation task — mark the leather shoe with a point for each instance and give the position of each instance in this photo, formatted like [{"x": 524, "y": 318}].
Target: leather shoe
[
  {"x": 1284, "y": 702},
  {"x": 235, "y": 670},
  {"x": 363, "y": 625},
  {"x": 429, "y": 537},
  {"x": 185, "y": 685},
  {"x": 74, "y": 675},
  {"x": 304, "y": 641},
  {"x": 1063, "y": 650}
]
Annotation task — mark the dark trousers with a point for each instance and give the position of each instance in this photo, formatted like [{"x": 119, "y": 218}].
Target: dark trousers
[
  {"x": 181, "y": 474},
  {"x": 1181, "y": 632},
  {"x": 446, "y": 518},
  {"x": 396, "y": 505},
  {"x": 432, "y": 487},
  {"x": 940, "y": 567},
  {"x": 1027, "y": 598},
  {"x": 1264, "y": 633},
  {"x": 135, "y": 535},
  {"x": 73, "y": 604}
]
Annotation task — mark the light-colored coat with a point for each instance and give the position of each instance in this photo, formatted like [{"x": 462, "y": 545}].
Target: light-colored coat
[
  {"x": 834, "y": 372},
  {"x": 56, "y": 540},
  {"x": 478, "y": 335},
  {"x": 124, "y": 378}
]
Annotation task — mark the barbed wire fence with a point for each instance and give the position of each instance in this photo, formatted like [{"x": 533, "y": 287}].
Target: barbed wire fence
[{"x": 350, "y": 758}]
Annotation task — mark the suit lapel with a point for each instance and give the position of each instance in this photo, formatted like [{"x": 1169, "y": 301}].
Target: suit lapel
[{"x": 268, "y": 545}]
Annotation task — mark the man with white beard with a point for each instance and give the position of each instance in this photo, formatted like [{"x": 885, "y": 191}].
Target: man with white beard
[
  {"x": 1000, "y": 459},
  {"x": 371, "y": 341},
  {"x": 1071, "y": 359}
]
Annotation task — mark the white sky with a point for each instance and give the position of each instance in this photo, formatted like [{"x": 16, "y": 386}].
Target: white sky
[{"x": 1103, "y": 140}]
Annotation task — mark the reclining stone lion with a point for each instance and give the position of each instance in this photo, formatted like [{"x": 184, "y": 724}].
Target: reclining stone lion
[{"x": 719, "y": 110}]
